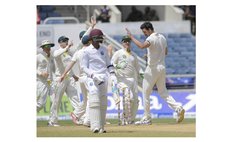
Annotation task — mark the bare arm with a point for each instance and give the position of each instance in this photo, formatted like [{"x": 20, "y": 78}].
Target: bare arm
[
  {"x": 92, "y": 25},
  {"x": 67, "y": 69},
  {"x": 138, "y": 43},
  {"x": 60, "y": 51}
]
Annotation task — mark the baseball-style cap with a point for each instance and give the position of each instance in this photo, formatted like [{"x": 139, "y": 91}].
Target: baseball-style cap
[
  {"x": 81, "y": 34},
  {"x": 85, "y": 39},
  {"x": 46, "y": 43},
  {"x": 125, "y": 39},
  {"x": 63, "y": 39}
]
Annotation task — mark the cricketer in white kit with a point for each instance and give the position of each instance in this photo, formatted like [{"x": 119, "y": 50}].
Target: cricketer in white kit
[
  {"x": 96, "y": 64},
  {"x": 77, "y": 58},
  {"x": 156, "y": 45},
  {"x": 68, "y": 85},
  {"x": 44, "y": 74},
  {"x": 127, "y": 71}
]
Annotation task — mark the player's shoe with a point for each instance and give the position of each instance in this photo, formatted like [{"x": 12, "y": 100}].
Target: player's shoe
[
  {"x": 131, "y": 122},
  {"x": 144, "y": 121},
  {"x": 102, "y": 131},
  {"x": 79, "y": 122},
  {"x": 51, "y": 124},
  {"x": 95, "y": 130},
  {"x": 75, "y": 119},
  {"x": 86, "y": 123},
  {"x": 180, "y": 115}
]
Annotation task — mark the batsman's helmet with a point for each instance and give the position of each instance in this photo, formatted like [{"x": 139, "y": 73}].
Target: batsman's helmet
[{"x": 96, "y": 35}]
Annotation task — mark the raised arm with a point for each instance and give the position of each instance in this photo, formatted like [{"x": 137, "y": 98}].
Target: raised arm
[
  {"x": 92, "y": 25},
  {"x": 146, "y": 44},
  {"x": 60, "y": 51}
]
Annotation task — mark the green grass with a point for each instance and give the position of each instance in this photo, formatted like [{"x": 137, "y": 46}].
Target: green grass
[{"x": 159, "y": 128}]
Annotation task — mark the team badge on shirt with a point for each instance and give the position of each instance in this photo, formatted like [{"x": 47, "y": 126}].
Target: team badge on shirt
[
  {"x": 124, "y": 56},
  {"x": 102, "y": 53},
  {"x": 91, "y": 84}
]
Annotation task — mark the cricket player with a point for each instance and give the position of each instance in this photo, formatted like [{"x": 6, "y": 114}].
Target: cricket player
[
  {"x": 127, "y": 70},
  {"x": 156, "y": 45},
  {"x": 77, "y": 57},
  {"x": 44, "y": 75},
  {"x": 96, "y": 64},
  {"x": 68, "y": 85}
]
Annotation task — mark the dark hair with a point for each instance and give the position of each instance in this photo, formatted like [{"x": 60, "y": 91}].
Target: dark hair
[{"x": 147, "y": 26}]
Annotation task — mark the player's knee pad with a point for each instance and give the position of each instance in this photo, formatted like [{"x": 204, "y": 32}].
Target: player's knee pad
[
  {"x": 103, "y": 102},
  {"x": 94, "y": 100}
]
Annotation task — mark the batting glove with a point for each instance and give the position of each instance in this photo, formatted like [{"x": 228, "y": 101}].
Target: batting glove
[{"x": 98, "y": 79}]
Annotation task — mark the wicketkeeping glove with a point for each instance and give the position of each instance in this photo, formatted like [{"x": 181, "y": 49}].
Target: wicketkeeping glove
[{"x": 122, "y": 65}]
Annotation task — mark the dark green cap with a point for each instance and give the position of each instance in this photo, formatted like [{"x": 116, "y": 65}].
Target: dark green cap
[{"x": 125, "y": 38}]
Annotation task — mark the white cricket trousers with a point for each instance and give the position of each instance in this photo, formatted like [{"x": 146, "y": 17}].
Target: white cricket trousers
[
  {"x": 69, "y": 86},
  {"x": 97, "y": 95},
  {"x": 132, "y": 85},
  {"x": 156, "y": 75},
  {"x": 43, "y": 90},
  {"x": 85, "y": 102}
]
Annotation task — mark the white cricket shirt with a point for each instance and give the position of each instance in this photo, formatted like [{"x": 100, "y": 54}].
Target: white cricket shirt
[
  {"x": 132, "y": 68},
  {"x": 156, "y": 50},
  {"x": 95, "y": 61},
  {"x": 43, "y": 65}
]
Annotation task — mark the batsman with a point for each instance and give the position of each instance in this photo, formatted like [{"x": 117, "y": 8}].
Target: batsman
[{"x": 96, "y": 65}]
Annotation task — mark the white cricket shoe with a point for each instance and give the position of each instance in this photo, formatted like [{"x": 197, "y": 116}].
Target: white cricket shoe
[
  {"x": 144, "y": 121},
  {"x": 102, "y": 131},
  {"x": 51, "y": 124},
  {"x": 180, "y": 115},
  {"x": 95, "y": 130}
]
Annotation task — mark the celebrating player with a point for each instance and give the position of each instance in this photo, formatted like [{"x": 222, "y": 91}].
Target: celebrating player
[
  {"x": 76, "y": 59},
  {"x": 155, "y": 72},
  {"x": 127, "y": 69},
  {"x": 68, "y": 85},
  {"x": 96, "y": 64},
  {"x": 44, "y": 75}
]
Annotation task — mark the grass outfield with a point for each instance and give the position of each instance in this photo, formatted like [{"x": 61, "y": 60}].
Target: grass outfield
[{"x": 159, "y": 128}]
